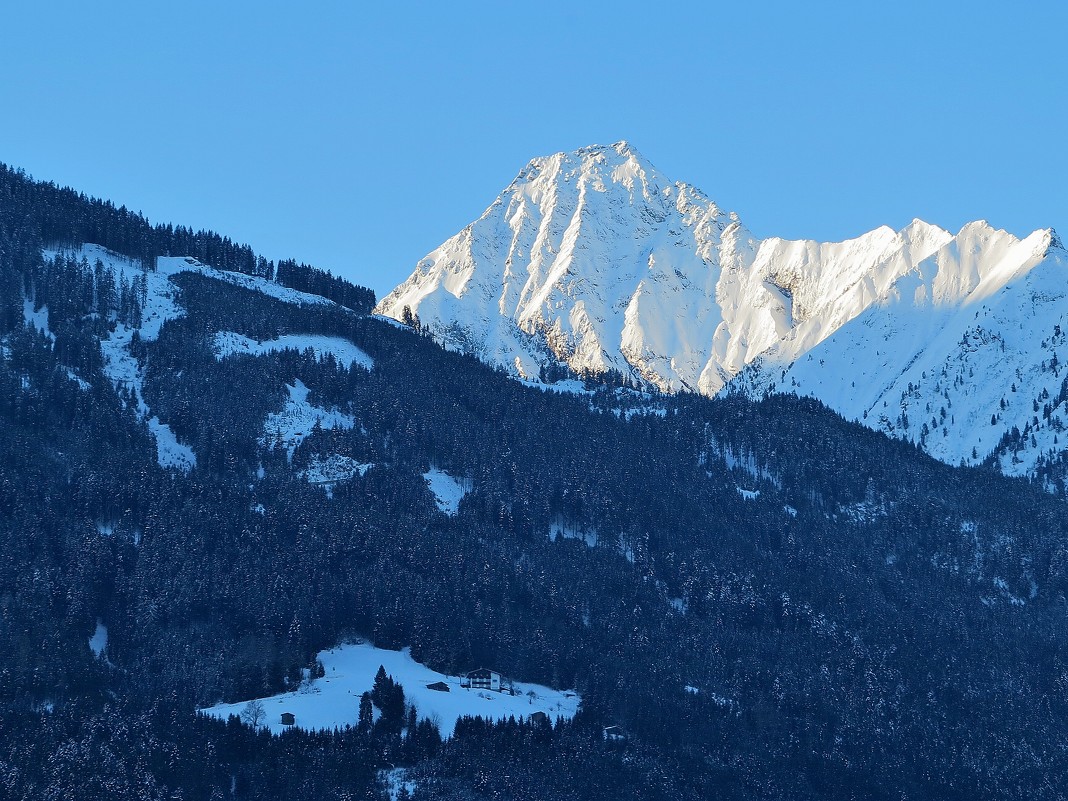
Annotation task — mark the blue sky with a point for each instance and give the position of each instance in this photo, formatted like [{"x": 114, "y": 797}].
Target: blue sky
[{"x": 358, "y": 138}]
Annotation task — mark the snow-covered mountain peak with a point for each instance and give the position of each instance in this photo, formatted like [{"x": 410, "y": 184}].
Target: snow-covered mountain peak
[
  {"x": 600, "y": 168},
  {"x": 568, "y": 256},
  {"x": 597, "y": 260}
]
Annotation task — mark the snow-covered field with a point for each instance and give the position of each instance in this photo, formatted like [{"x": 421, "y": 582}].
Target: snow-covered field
[
  {"x": 227, "y": 343},
  {"x": 333, "y": 700}
]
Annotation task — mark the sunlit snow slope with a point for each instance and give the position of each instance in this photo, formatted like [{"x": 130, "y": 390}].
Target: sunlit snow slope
[
  {"x": 962, "y": 355},
  {"x": 596, "y": 260}
]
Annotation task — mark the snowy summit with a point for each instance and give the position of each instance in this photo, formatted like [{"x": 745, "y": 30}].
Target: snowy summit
[{"x": 596, "y": 260}]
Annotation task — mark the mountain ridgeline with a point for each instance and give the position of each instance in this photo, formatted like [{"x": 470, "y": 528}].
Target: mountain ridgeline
[
  {"x": 757, "y": 597},
  {"x": 597, "y": 262}
]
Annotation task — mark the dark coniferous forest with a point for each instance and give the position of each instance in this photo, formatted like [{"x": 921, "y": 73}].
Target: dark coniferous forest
[{"x": 779, "y": 604}]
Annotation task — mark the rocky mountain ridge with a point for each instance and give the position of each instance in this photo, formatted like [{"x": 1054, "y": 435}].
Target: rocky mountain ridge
[{"x": 596, "y": 260}]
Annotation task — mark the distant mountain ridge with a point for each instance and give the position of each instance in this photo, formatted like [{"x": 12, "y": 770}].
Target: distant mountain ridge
[{"x": 596, "y": 260}]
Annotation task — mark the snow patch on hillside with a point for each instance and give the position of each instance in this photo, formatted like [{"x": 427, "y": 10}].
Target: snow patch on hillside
[
  {"x": 295, "y": 422},
  {"x": 172, "y": 265},
  {"x": 395, "y": 780},
  {"x": 160, "y": 303},
  {"x": 77, "y": 379},
  {"x": 120, "y": 366},
  {"x": 228, "y": 343},
  {"x": 333, "y": 701},
  {"x": 326, "y": 471},
  {"x": 558, "y": 528},
  {"x": 99, "y": 641},
  {"x": 448, "y": 491},
  {"x": 169, "y": 451},
  {"x": 36, "y": 318},
  {"x": 125, "y": 372}
]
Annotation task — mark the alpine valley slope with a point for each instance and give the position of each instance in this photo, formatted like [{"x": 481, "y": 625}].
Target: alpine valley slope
[{"x": 596, "y": 260}]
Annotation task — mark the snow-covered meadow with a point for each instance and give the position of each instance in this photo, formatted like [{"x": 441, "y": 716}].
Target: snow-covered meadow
[
  {"x": 228, "y": 343},
  {"x": 333, "y": 701}
]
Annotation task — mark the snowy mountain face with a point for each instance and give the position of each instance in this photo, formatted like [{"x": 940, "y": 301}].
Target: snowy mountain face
[
  {"x": 962, "y": 355},
  {"x": 596, "y": 260}
]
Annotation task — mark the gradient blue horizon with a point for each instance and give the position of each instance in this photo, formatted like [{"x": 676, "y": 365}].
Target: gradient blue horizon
[{"x": 358, "y": 139}]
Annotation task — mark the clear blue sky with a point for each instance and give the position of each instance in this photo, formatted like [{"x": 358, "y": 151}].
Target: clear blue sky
[{"x": 359, "y": 136}]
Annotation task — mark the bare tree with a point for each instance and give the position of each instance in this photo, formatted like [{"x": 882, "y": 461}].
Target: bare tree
[{"x": 253, "y": 714}]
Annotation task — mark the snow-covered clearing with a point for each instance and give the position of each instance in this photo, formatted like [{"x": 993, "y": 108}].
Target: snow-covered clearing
[
  {"x": 124, "y": 371},
  {"x": 394, "y": 780},
  {"x": 448, "y": 491},
  {"x": 169, "y": 451},
  {"x": 77, "y": 379},
  {"x": 38, "y": 319},
  {"x": 333, "y": 701},
  {"x": 227, "y": 343},
  {"x": 295, "y": 422},
  {"x": 160, "y": 304},
  {"x": 172, "y": 265},
  {"x": 560, "y": 529},
  {"x": 99, "y": 641},
  {"x": 326, "y": 471}
]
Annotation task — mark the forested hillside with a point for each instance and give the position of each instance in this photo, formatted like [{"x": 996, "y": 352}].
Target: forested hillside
[{"x": 767, "y": 601}]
